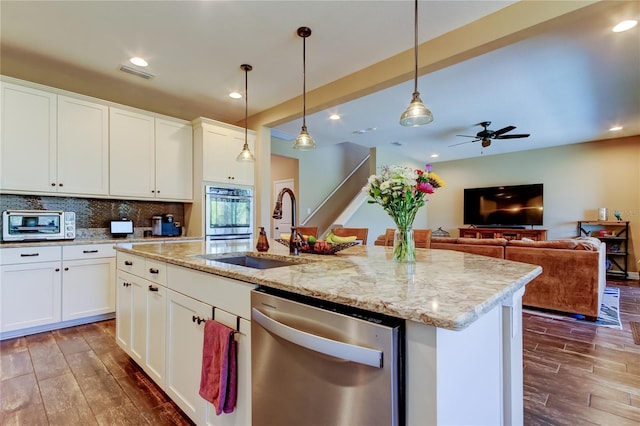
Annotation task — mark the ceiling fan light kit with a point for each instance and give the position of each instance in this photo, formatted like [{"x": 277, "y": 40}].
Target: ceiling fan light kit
[
  {"x": 304, "y": 141},
  {"x": 416, "y": 114},
  {"x": 245, "y": 155}
]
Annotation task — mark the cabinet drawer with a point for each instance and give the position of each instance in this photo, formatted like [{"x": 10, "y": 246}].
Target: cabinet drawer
[
  {"x": 17, "y": 255},
  {"x": 130, "y": 263},
  {"x": 87, "y": 251},
  {"x": 225, "y": 293},
  {"x": 155, "y": 271}
]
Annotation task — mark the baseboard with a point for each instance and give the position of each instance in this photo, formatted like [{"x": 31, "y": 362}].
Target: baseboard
[
  {"x": 633, "y": 275},
  {"x": 48, "y": 327}
]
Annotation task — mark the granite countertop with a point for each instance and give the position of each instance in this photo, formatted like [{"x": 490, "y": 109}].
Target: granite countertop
[
  {"x": 444, "y": 288},
  {"x": 94, "y": 240}
]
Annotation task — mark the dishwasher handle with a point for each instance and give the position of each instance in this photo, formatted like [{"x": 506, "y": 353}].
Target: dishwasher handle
[{"x": 349, "y": 352}]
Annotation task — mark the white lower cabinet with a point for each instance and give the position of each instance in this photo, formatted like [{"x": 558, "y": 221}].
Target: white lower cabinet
[
  {"x": 185, "y": 334},
  {"x": 88, "y": 281},
  {"x": 30, "y": 295},
  {"x": 140, "y": 322},
  {"x": 162, "y": 328}
]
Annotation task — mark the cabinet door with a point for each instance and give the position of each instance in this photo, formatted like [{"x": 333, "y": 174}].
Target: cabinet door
[
  {"x": 174, "y": 160},
  {"x": 221, "y": 146},
  {"x": 124, "y": 297},
  {"x": 138, "y": 345},
  {"x": 83, "y": 147},
  {"x": 30, "y": 295},
  {"x": 28, "y": 142},
  {"x": 132, "y": 157},
  {"x": 242, "y": 413},
  {"x": 242, "y": 172},
  {"x": 155, "y": 332},
  {"x": 184, "y": 353},
  {"x": 88, "y": 288}
]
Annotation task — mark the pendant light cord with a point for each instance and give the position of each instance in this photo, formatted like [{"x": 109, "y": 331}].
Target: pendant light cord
[
  {"x": 415, "y": 48},
  {"x": 304, "y": 82},
  {"x": 246, "y": 104}
]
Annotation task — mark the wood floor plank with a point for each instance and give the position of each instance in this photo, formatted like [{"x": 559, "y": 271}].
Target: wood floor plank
[
  {"x": 70, "y": 341},
  {"x": 19, "y": 393},
  {"x": 626, "y": 411},
  {"x": 15, "y": 364},
  {"x": 103, "y": 393},
  {"x": 85, "y": 364},
  {"x": 64, "y": 402},
  {"x": 142, "y": 391}
]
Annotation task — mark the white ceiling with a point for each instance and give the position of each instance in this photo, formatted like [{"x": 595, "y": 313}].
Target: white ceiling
[{"x": 568, "y": 85}]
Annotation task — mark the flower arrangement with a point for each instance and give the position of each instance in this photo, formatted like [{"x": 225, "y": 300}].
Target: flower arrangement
[{"x": 401, "y": 191}]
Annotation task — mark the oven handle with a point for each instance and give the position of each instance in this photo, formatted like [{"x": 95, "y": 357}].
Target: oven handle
[{"x": 353, "y": 353}]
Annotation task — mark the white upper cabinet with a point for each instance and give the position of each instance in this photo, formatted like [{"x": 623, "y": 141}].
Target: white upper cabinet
[
  {"x": 174, "y": 160},
  {"x": 83, "y": 147},
  {"x": 221, "y": 145},
  {"x": 150, "y": 158},
  {"x": 28, "y": 146},
  {"x": 53, "y": 143}
]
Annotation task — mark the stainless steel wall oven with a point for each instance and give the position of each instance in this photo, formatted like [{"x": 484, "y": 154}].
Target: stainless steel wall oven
[{"x": 228, "y": 212}]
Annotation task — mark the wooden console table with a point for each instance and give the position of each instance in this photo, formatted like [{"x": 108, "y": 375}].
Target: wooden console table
[{"x": 507, "y": 233}]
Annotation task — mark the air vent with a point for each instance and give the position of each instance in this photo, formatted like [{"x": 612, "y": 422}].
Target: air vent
[{"x": 135, "y": 71}]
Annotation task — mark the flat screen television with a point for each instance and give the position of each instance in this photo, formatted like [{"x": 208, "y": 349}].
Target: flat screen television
[{"x": 504, "y": 206}]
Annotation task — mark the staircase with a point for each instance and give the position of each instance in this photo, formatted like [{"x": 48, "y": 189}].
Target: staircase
[{"x": 343, "y": 201}]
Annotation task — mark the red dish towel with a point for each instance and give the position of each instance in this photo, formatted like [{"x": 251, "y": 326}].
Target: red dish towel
[{"x": 218, "y": 381}]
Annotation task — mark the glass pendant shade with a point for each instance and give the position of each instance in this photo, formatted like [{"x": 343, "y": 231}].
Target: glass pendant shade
[
  {"x": 304, "y": 141},
  {"x": 245, "y": 155},
  {"x": 416, "y": 113}
]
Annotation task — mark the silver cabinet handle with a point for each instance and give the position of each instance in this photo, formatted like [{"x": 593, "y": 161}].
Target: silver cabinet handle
[{"x": 323, "y": 345}]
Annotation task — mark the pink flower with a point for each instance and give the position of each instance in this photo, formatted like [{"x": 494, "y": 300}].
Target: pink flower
[{"x": 425, "y": 187}]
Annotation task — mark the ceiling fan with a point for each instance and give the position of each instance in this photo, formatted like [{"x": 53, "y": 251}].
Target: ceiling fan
[{"x": 485, "y": 135}]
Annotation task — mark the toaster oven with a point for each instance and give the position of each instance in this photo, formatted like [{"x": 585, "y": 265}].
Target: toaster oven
[{"x": 38, "y": 225}]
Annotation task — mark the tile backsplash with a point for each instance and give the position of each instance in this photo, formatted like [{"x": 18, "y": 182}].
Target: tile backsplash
[{"x": 92, "y": 213}]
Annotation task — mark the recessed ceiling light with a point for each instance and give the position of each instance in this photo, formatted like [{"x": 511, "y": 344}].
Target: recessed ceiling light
[
  {"x": 615, "y": 128},
  {"x": 435, "y": 155},
  {"x": 138, "y": 61},
  {"x": 625, "y": 25},
  {"x": 235, "y": 95},
  {"x": 334, "y": 117}
]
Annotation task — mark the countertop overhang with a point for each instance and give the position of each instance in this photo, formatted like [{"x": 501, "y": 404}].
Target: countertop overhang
[{"x": 444, "y": 288}]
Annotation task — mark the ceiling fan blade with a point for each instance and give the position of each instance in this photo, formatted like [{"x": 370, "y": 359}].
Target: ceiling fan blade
[
  {"x": 523, "y": 135},
  {"x": 467, "y": 136},
  {"x": 462, "y": 143},
  {"x": 503, "y": 130}
]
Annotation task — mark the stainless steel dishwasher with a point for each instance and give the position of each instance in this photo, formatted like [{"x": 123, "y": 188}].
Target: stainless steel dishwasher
[{"x": 318, "y": 363}]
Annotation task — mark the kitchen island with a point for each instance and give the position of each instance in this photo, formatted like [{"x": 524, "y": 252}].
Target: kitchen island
[{"x": 462, "y": 314}]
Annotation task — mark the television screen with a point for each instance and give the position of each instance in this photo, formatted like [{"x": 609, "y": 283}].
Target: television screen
[{"x": 514, "y": 205}]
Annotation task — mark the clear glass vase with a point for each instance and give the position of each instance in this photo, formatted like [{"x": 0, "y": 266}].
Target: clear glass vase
[{"x": 404, "y": 246}]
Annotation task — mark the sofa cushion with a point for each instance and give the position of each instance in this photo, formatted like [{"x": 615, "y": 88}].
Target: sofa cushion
[
  {"x": 569, "y": 244},
  {"x": 443, "y": 240}
]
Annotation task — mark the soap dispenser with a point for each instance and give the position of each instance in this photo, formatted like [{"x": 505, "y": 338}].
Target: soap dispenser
[{"x": 263, "y": 243}]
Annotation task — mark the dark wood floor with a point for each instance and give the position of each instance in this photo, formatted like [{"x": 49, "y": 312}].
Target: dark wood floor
[
  {"x": 574, "y": 374},
  {"x": 78, "y": 376},
  {"x": 581, "y": 374}
]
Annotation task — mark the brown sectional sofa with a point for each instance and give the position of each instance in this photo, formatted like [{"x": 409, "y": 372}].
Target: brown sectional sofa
[{"x": 573, "y": 270}]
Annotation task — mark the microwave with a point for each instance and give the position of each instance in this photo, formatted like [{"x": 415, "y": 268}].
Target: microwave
[{"x": 38, "y": 225}]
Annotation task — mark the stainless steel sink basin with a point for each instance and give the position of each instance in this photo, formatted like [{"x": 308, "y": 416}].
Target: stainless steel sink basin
[{"x": 250, "y": 261}]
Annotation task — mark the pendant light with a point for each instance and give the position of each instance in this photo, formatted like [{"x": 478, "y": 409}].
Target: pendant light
[
  {"x": 245, "y": 155},
  {"x": 304, "y": 141},
  {"x": 416, "y": 114}
]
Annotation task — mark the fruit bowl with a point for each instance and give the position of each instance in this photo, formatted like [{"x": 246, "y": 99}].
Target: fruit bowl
[{"x": 333, "y": 248}]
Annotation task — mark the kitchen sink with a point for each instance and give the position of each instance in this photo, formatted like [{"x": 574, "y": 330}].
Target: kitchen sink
[{"x": 250, "y": 261}]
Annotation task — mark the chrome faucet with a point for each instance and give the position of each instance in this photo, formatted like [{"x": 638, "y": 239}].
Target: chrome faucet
[{"x": 277, "y": 214}]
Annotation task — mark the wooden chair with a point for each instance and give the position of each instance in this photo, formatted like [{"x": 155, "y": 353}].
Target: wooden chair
[
  {"x": 421, "y": 237},
  {"x": 360, "y": 233},
  {"x": 308, "y": 230}
]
